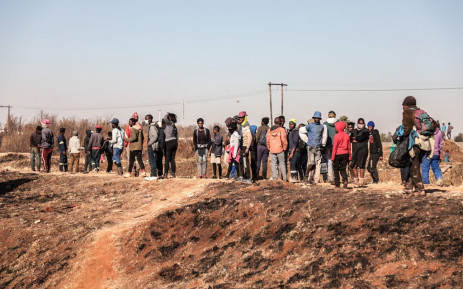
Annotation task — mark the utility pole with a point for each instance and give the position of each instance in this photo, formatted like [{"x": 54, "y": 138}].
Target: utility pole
[
  {"x": 183, "y": 112},
  {"x": 9, "y": 107},
  {"x": 282, "y": 100}
]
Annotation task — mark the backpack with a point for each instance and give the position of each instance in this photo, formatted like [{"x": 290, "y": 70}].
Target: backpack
[
  {"x": 263, "y": 139},
  {"x": 428, "y": 125}
]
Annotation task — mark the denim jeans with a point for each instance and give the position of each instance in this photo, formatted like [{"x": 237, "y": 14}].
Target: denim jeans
[
  {"x": 434, "y": 163},
  {"x": 278, "y": 159},
  {"x": 95, "y": 155},
  {"x": 262, "y": 160},
  {"x": 117, "y": 155},
  {"x": 202, "y": 163},
  {"x": 152, "y": 161}
]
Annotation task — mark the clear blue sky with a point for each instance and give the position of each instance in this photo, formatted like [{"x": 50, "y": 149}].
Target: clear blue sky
[{"x": 78, "y": 54}]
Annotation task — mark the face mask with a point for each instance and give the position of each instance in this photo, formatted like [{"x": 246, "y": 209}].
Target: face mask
[
  {"x": 361, "y": 125},
  {"x": 147, "y": 122}
]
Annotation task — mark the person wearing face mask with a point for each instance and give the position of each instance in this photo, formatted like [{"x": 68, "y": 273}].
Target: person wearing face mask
[
  {"x": 328, "y": 137},
  {"x": 359, "y": 139}
]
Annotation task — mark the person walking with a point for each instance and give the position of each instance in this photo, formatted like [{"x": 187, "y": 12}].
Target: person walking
[
  {"x": 359, "y": 139},
  {"x": 94, "y": 146},
  {"x": 245, "y": 132},
  {"x": 135, "y": 142},
  {"x": 277, "y": 143},
  {"x": 294, "y": 151},
  {"x": 434, "y": 161},
  {"x": 315, "y": 146},
  {"x": 46, "y": 145},
  {"x": 74, "y": 152},
  {"x": 217, "y": 152},
  {"x": 153, "y": 142},
  {"x": 62, "y": 149},
  {"x": 376, "y": 151},
  {"x": 161, "y": 149},
  {"x": 262, "y": 150},
  {"x": 171, "y": 144},
  {"x": 35, "y": 142},
  {"x": 449, "y": 131},
  {"x": 117, "y": 141},
  {"x": 202, "y": 144},
  {"x": 341, "y": 154},
  {"x": 328, "y": 136}
]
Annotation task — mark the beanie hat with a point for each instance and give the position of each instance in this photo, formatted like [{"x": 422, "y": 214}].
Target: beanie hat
[
  {"x": 409, "y": 101},
  {"x": 135, "y": 116},
  {"x": 266, "y": 120},
  {"x": 46, "y": 121},
  {"x": 371, "y": 123},
  {"x": 293, "y": 120},
  {"x": 75, "y": 133},
  {"x": 253, "y": 129}
]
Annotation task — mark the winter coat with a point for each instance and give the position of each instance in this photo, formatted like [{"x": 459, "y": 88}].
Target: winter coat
[
  {"x": 62, "y": 146},
  {"x": 217, "y": 145},
  {"x": 277, "y": 140},
  {"x": 246, "y": 134},
  {"x": 47, "y": 138},
  {"x": 96, "y": 141},
  {"x": 293, "y": 140},
  {"x": 170, "y": 130},
  {"x": 439, "y": 142},
  {"x": 74, "y": 145},
  {"x": 376, "y": 146},
  {"x": 136, "y": 138},
  {"x": 341, "y": 141},
  {"x": 315, "y": 135},
  {"x": 361, "y": 136},
  {"x": 36, "y": 140},
  {"x": 117, "y": 139},
  {"x": 329, "y": 131},
  {"x": 235, "y": 142},
  {"x": 153, "y": 136}
]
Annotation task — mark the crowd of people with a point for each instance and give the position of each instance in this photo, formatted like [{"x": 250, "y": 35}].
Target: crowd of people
[{"x": 318, "y": 151}]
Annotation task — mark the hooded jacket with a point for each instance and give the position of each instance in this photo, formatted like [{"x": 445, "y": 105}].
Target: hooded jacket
[
  {"x": 117, "y": 139},
  {"x": 136, "y": 138},
  {"x": 439, "y": 142},
  {"x": 329, "y": 132},
  {"x": 361, "y": 136},
  {"x": 153, "y": 136},
  {"x": 376, "y": 147},
  {"x": 315, "y": 135},
  {"x": 341, "y": 141},
  {"x": 47, "y": 138},
  {"x": 235, "y": 141},
  {"x": 277, "y": 140}
]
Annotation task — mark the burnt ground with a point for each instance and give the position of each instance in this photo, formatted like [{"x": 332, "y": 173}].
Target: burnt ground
[{"x": 99, "y": 231}]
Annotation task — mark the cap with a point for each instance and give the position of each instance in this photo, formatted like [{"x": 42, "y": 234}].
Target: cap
[
  {"x": 242, "y": 114},
  {"x": 115, "y": 121},
  {"x": 99, "y": 126},
  {"x": 45, "y": 121}
]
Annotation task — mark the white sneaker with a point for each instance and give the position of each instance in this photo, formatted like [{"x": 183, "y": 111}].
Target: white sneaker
[{"x": 151, "y": 178}]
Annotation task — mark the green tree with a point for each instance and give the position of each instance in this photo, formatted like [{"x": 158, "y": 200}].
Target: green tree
[{"x": 344, "y": 118}]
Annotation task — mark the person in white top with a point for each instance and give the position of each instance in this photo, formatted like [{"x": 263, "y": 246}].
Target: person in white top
[
  {"x": 74, "y": 152},
  {"x": 117, "y": 141}
]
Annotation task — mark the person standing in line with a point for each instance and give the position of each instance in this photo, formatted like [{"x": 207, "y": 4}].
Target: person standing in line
[
  {"x": 294, "y": 151},
  {"x": 359, "y": 139},
  {"x": 94, "y": 146},
  {"x": 245, "y": 132},
  {"x": 202, "y": 143},
  {"x": 433, "y": 162},
  {"x": 350, "y": 129},
  {"x": 443, "y": 129},
  {"x": 107, "y": 149},
  {"x": 62, "y": 149},
  {"x": 136, "y": 147},
  {"x": 126, "y": 144},
  {"x": 171, "y": 143},
  {"x": 449, "y": 131},
  {"x": 74, "y": 152},
  {"x": 253, "y": 154},
  {"x": 376, "y": 152},
  {"x": 341, "y": 154},
  {"x": 328, "y": 136},
  {"x": 315, "y": 146},
  {"x": 262, "y": 150},
  {"x": 117, "y": 141},
  {"x": 282, "y": 123},
  {"x": 153, "y": 142},
  {"x": 161, "y": 149},
  {"x": 46, "y": 145},
  {"x": 216, "y": 152},
  {"x": 303, "y": 149},
  {"x": 277, "y": 143},
  {"x": 35, "y": 142},
  {"x": 88, "y": 156}
]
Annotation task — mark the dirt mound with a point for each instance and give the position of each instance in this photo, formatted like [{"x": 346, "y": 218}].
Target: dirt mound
[
  {"x": 278, "y": 235},
  {"x": 456, "y": 154},
  {"x": 11, "y": 157}
]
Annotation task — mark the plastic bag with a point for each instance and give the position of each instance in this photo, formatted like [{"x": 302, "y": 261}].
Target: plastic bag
[{"x": 400, "y": 157}]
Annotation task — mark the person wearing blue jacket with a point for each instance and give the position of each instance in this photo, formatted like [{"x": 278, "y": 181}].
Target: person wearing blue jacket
[{"x": 315, "y": 145}]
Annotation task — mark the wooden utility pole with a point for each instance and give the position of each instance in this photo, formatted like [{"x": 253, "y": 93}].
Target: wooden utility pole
[
  {"x": 9, "y": 116},
  {"x": 282, "y": 85}
]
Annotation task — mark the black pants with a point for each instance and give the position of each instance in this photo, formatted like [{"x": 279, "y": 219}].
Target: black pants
[
  {"x": 372, "y": 164},
  {"x": 88, "y": 161},
  {"x": 159, "y": 167},
  {"x": 405, "y": 174},
  {"x": 245, "y": 165},
  {"x": 254, "y": 173},
  {"x": 415, "y": 179},
  {"x": 339, "y": 167},
  {"x": 109, "y": 158},
  {"x": 214, "y": 169},
  {"x": 171, "y": 150},
  {"x": 63, "y": 162},
  {"x": 133, "y": 155}
]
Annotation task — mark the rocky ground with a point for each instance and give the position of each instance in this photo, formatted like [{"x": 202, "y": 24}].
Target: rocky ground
[{"x": 100, "y": 231}]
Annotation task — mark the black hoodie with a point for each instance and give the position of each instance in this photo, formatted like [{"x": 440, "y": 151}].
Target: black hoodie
[
  {"x": 376, "y": 147},
  {"x": 87, "y": 139}
]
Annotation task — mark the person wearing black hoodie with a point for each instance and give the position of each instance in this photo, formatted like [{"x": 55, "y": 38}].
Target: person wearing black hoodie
[
  {"x": 359, "y": 139},
  {"x": 88, "y": 157},
  {"x": 62, "y": 149},
  {"x": 376, "y": 151}
]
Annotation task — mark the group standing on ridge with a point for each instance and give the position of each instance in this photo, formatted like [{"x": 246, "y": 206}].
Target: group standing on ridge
[{"x": 318, "y": 151}]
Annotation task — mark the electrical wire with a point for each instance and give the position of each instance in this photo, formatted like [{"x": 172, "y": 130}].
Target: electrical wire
[{"x": 382, "y": 89}]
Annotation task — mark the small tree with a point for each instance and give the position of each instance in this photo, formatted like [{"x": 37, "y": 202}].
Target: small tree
[
  {"x": 459, "y": 137},
  {"x": 344, "y": 118}
]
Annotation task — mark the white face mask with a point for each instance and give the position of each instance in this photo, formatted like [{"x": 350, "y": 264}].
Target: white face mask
[
  {"x": 147, "y": 122},
  {"x": 360, "y": 125}
]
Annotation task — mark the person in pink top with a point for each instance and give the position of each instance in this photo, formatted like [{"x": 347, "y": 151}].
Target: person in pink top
[
  {"x": 277, "y": 143},
  {"x": 341, "y": 154}
]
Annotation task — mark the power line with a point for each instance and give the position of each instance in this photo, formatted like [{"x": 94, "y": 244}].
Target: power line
[{"x": 382, "y": 89}]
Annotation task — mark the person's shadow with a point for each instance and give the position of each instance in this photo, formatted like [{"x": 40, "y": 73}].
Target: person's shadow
[
  {"x": 432, "y": 191},
  {"x": 10, "y": 185}
]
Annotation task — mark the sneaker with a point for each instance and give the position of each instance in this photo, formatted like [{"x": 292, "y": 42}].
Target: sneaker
[
  {"x": 151, "y": 178},
  {"x": 240, "y": 179},
  {"x": 214, "y": 177},
  {"x": 248, "y": 181},
  {"x": 127, "y": 175}
]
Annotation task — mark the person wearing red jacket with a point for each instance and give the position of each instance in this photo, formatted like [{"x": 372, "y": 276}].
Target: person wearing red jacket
[{"x": 341, "y": 154}]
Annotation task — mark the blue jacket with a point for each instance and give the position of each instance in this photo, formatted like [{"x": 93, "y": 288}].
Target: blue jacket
[{"x": 315, "y": 135}]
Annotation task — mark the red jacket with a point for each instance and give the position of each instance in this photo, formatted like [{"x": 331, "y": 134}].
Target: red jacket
[{"x": 341, "y": 141}]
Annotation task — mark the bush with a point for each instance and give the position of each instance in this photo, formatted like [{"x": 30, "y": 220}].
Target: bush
[{"x": 459, "y": 137}]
